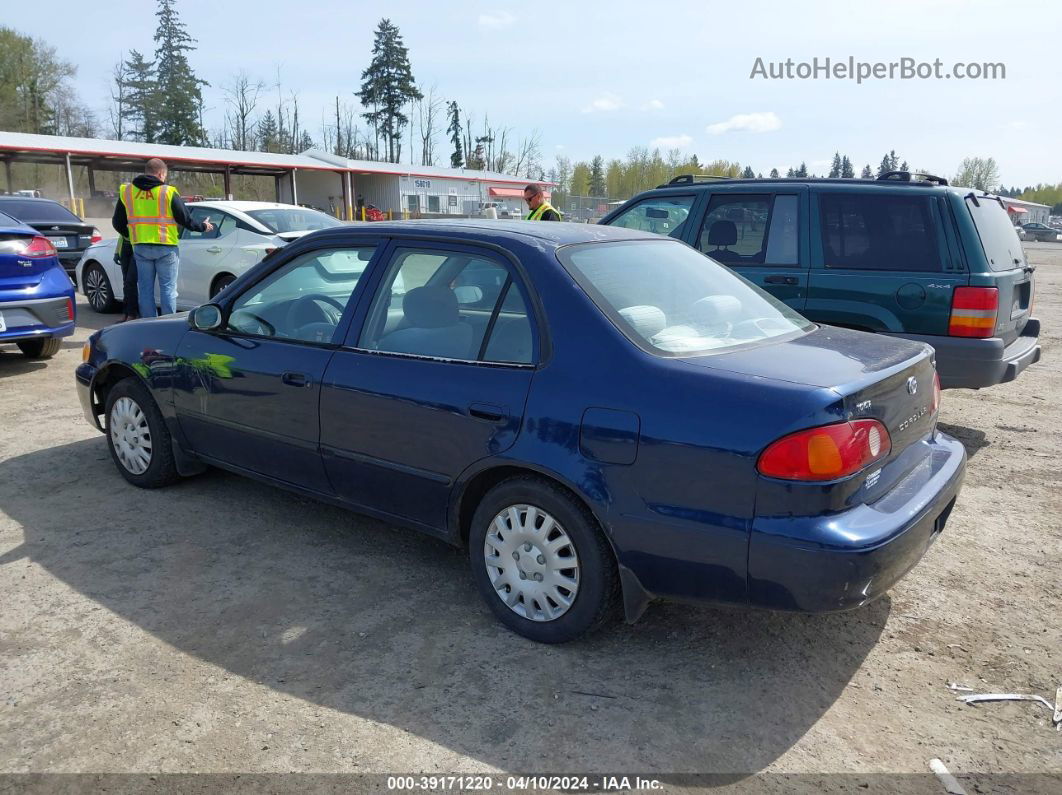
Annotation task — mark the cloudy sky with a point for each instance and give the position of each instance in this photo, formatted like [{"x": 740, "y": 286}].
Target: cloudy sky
[{"x": 601, "y": 77}]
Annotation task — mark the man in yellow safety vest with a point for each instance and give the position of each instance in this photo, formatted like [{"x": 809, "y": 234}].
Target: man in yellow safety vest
[
  {"x": 541, "y": 210},
  {"x": 147, "y": 214}
]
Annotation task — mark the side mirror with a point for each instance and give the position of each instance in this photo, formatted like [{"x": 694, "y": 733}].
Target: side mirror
[{"x": 208, "y": 317}]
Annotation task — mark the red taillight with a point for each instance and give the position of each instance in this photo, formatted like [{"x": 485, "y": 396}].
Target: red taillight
[
  {"x": 827, "y": 452},
  {"x": 69, "y": 309},
  {"x": 973, "y": 312},
  {"x": 96, "y": 236},
  {"x": 39, "y": 247},
  {"x": 936, "y": 392}
]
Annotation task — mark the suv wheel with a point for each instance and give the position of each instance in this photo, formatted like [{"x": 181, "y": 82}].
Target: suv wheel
[
  {"x": 540, "y": 561},
  {"x": 40, "y": 349},
  {"x": 137, "y": 436},
  {"x": 98, "y": 289}
]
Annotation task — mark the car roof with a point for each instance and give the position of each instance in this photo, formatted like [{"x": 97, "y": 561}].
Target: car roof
[
  {"x": 244, "y": 206},
  {"x": 38, "y": 199},
  {"x": 552, "y": 233}
]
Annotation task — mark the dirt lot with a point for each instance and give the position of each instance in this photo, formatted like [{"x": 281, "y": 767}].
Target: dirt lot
[{"x": 221, "y": 625}]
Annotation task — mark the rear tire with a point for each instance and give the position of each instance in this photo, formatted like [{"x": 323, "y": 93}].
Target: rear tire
[
  {"x": 98, "y": 290},
  {"x": 40, "y": 349},
  {"x": 566, "y": 547},
  {"x": 137, "y": 436}
]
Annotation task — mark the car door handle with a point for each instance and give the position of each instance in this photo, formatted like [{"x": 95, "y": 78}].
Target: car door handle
[
  {"x": 214, "y": 250},
  {"x": 777, "y": 278},
  {"x": 488, "y": 411},
  {"x": 296, "y": 379}
]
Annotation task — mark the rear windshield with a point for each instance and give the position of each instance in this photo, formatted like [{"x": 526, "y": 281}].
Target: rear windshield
[
  {"x": 30, "y": 211},
  {"x": 7, "y": 220},
  {"x": 998, "y": 238},
  {"x": 293, "y": 220},
  {"x": 672, "y": 301}
]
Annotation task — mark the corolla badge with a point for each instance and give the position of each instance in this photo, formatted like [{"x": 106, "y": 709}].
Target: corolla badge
[{"x": 912, "y": 386}]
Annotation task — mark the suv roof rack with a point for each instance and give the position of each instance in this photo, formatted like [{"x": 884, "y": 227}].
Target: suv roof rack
[
  {"x": 911, "y": 176},
  {"x": 689, "y": 179}
]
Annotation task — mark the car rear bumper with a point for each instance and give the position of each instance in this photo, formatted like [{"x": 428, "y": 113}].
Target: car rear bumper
[
  {"x": 842, "y": 561},
  {"x": 36, "y": 318},
  {"x": 978, "y": 363}
]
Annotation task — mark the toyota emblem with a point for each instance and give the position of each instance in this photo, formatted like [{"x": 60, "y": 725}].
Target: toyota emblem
[{"x": 912, "y": 385}]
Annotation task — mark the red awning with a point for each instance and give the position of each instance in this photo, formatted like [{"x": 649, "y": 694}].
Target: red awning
[
  {"x": 1013, "y": 209},
  {"x": 507, "y": 193}
]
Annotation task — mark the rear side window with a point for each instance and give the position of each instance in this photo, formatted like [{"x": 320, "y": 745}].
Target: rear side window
[
  {"x": 30, "y": 211},
  {"x": 662, "y": 215},
  {"x": 756, "y": 229},
  {"x": 998, "y": 238},
  {"x": 884, "y": 232}
]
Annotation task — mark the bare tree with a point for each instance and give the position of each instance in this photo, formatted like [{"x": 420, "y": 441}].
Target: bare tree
[
  {"x": 242, "y": 98},
  {"x": 528, "y": 156},
  {"x": 118, "y": 111},
  {"x": 429, "y": 113}
]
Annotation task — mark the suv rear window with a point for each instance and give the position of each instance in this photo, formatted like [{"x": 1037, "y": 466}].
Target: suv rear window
[
  {"x": 998, "y": 238},
  {"x": 29, "y": 211},
  {"x": 883, "y": 232}
]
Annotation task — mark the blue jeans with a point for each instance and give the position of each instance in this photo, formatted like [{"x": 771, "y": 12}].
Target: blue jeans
[{"x": 153, "y": 259}]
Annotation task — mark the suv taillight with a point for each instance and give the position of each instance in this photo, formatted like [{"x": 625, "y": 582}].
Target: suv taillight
[
  {"x": 973, "y": 312},
  {"x": 39, "y": 247},
  {"x": 827, "y": 452}
]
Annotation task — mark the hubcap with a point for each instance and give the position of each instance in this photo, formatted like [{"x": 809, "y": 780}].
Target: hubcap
[
  {"x": 96, "y": 287},
  {"x": 532, "y": 563},
  {"x": 130, "y": 435}
]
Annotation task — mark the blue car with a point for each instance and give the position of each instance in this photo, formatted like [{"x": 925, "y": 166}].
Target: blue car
[
  {"x": 36, "y": 296},
  {"x": 601, "y": 416}
]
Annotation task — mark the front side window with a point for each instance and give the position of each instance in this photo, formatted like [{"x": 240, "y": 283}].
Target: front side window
[
  {"x": 662, "y": 215},
  {"x": 880, "y": 232},
  {"x": 671, "y": 301},
  {"x": 452, "y": 305},
  {"x": 200, "y": 214},
  {"x": 303, "y": 300}
]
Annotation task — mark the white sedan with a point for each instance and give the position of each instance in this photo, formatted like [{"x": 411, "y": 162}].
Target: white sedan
[{"x": 244, "y": 232}]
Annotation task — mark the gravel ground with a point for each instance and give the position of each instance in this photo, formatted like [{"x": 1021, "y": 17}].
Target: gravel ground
[{"x": 224, "y": 626}]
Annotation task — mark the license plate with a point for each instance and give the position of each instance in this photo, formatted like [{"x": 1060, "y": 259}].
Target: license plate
[
  {"x": 3, "y": 324},
  {"x": 58, "y": 242}
]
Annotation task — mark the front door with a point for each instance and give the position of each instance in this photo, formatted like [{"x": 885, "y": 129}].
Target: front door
[
  {"x": 248, "y": 396},
  {"x": 202, "y": 255},
  {"x": 758, "y": 235},
  {"x": 433, "y": 378}
]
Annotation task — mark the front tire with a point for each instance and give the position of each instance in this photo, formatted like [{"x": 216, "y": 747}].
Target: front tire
[
  {"x": 40, "y": 349},
  {"x": 98, "y": 289},
  {"x": 137, "y": 436},
  {"x": 220, "y": 283},
  {"x": 540, "y": 561}
]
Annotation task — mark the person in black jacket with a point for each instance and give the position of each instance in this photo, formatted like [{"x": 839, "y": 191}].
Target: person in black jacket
[{"x": 123, "y": 256}]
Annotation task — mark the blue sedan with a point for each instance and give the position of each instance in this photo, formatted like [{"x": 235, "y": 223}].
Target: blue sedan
[
  {"x": 36, "y": 295},
  {"x": 602, "y": 417}
]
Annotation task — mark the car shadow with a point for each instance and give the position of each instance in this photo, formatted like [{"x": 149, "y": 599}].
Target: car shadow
[
  {"x": 973, "y": 439},
  {"x": 13, "y": 363},
  {"x": 351, "y": 614}
]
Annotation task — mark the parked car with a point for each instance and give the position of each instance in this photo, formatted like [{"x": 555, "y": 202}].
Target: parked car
[
  {"x": 65, "y": 231},
  {"x": 1020, "y": 232},
  {"x": 905, "y": 255},
  {"x": 36, "y": 297},
  {"x": 599, "y": 415},
  {"x": 1042, "y": 232},
  {"x": 244, "y": 233}
]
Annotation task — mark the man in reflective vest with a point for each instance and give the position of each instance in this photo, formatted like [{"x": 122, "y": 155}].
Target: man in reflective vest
[
  {"x": 147, "y": 214},
  {"x": 540, "y": 208}
]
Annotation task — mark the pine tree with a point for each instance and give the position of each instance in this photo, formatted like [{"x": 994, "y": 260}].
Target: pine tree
[
  {"x": 894, "y": 161},
  {"x": 268, "y": 135},
  {"x": 886, "y": 166},
  {"x": 180, "y": 94},
  {"x": 847, "y": 170},
  {"x": 866, "y": 173},
  {"x": 835, "y": 168},
  {"x": 774, "y": 173},
  {"x": 760, "y": 175},
  {"x": 306, "y": 142},
  {"x": 748, "y": 173},
  {"x": 904, "y": 166},
  {"x": 802, "y": 172},
  {"x": 790, "y": 173},
  {"x": 597, "y": 176},
  {"x": 387, "y": 87},
  {"x": 457, "y": 157},
  {"x": 141, "y": 106}
]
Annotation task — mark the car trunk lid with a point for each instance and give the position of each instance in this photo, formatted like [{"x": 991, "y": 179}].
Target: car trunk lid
[
  {"x": 18, "y": 271},
  {"x": 65, "y": 235}
]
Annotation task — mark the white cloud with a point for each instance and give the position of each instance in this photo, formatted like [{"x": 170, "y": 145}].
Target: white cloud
[
  {"x": 606, "y": 102},
  {"x": 671, "y": 142},
  {"x": 559, "y": 146},
  {"x": 653, "y": 104},
  {"x": 747, "y": 122},
  {"x": 496, "y": 19}
]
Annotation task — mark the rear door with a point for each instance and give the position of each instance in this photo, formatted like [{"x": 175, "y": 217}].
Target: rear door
[
  {"x": 760, "y": 235},
  {"x": 203, "y": 255},
  {"x": 1008, "y": 268},
  {"x": 882, "y": 260},
  {"x": 661, "y": 215}
]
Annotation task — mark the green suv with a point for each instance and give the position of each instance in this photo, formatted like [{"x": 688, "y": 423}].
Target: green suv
[{"x": 904, "y": 255}]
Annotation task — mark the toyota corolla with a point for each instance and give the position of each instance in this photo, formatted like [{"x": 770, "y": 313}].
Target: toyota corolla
[{"x": 601, "y": 417}]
